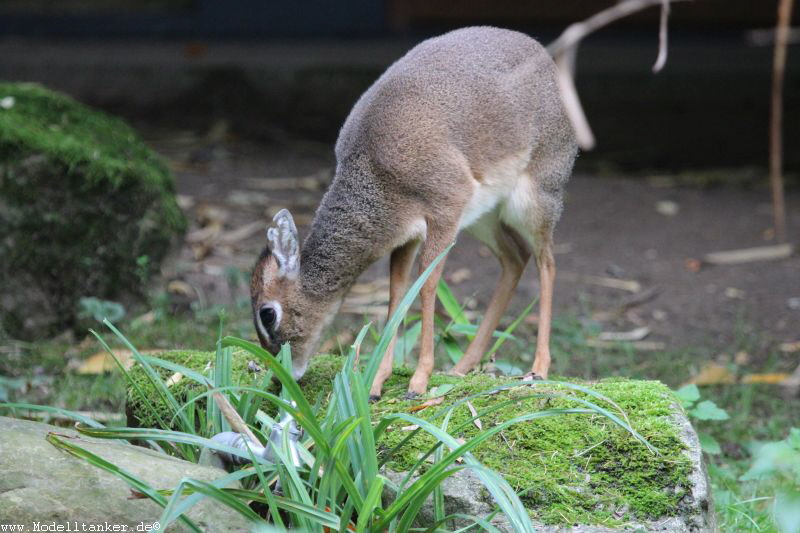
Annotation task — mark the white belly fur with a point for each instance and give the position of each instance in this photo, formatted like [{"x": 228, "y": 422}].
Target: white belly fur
[{"x": 506, "y": 186}]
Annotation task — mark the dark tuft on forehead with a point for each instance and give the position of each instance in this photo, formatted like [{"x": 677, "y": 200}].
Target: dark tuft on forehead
[{"x": 266, "y": 252}]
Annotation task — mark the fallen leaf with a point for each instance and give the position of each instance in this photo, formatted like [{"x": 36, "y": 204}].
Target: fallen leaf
[
  {"x": 241, "y": 233},
  {"x": 632, "y": 335},
  {"x": 667, "y": 208},
  {"x": 177, "y": 286},
  {"x": 461, "y": 275},
  {"x": 475, "y": 419},
  {"x": 184, "y": 202},
  {"x": 741, "y": 358},
  {"x": 247, "y": 198},
  {"x": 174, "y": 379},
  {"x": 790, "y": 347},
  {"x": 733, "y": 292},
  {"x": 204, "y": 234},
  {"x": 693, "y": 265},
  {"x": 776, "y": 378},
  {"x": 144, "y": 320},
  {"x": 101, "y": 362},
  {"x": 713, "y": 374},
  {"x": 426, "y": 404},
  {"x": 628, "y": 285},
  {"x": 645, "y": 346},
  {"x": 440, "y": 390}
]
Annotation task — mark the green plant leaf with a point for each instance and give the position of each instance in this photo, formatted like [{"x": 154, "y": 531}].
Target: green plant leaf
[
  {"x": 56, "y": 410},
  {"x": 454, "y": 351},
  {"x": 688, "y": 395},
  {"x": 450, "y": 303},
  {"x": 787, "y": 510},
  {"x": 708, "y": 410},
  {"x": 709, "y": 444},
  {"x": 441, "y": 390}
]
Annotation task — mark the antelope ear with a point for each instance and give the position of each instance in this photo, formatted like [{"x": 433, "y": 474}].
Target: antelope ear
[{"x": 284, "y": 245}]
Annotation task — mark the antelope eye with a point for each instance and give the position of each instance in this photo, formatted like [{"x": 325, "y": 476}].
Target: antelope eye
[{"x": 267, "y": 316}]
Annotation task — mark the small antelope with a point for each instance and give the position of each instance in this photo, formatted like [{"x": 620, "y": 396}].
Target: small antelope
[{"x": 466, "y": 131}]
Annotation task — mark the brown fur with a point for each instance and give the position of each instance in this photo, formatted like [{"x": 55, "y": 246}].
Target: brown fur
[{"x": 465, "y": 131}]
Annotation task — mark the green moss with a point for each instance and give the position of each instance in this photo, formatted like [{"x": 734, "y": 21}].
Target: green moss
[
  {"x": 316, "y": 384},
  {"x": 574, "y": 468},
  {"x": 83, "y": 198}
]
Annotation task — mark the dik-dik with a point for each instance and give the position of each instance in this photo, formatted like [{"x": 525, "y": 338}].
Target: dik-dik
[{"x": 466, "y": 131}]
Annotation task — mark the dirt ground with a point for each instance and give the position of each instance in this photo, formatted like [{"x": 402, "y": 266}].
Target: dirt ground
[{"x": 627, "y": 249}]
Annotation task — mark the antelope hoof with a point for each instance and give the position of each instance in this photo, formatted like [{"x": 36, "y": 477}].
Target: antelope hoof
[
  {"x": 532, "y": 376},
  {"x": 410, "y": 395},
  {"x": 373, "y": 398}
]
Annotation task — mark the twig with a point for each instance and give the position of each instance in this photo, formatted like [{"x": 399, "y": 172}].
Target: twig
[
  {"x": 233, "y": 418},
  {"x": 776, "y": 119},
  {"x": 661, "y": 60},
  {"x": 564, "y": 50}
]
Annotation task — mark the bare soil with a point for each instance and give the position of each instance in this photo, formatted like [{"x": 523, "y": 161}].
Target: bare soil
[{"x": 625, "y": 259}]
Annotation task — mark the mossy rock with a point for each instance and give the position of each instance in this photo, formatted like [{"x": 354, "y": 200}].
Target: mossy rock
[
  {"x": 574, "y": 468},
  {"x": 86, "y": 209}
]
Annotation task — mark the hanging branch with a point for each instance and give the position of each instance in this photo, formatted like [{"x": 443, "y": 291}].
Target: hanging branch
[
  {"x": 661, "y": 60},
  {"x": 776, "y": 119},
  {"x": 565, "y": 48}
]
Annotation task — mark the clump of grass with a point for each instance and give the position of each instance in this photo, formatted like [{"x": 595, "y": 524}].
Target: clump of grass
[{"x": 344, "y": 440}]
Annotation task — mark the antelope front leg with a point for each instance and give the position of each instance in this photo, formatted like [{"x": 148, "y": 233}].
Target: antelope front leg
[
  {"x": 432, "y": 248},
  {"x": 400, "y": 267},
  {"x": 547, "y": 274}
]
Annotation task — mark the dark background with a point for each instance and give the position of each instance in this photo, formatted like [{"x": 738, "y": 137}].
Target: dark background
[{"x": 273, "y": 67}]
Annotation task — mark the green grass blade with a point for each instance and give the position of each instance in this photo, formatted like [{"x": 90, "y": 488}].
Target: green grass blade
[
  {"x": 224, "y": 497},
  {"x": 163, "y": 435},
  {"x": 450, "y": 304},
  {"x": 402, "y": 308},
  {"x": 507, "y": 332},
  {"x": 159, "y": 385},
  {"x": 371, "y": 502},
  {"x": 303, "y": 413},
  {"x": 56, "y": 410}
]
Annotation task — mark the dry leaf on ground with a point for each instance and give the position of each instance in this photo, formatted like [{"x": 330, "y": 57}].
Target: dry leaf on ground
[
  {"x": 476, "y": 420},
  {"x": 101, "y": 362},
  {"x": 714, "y": 374},
  {"x": 426, "y": 404},
  {"x": 632, "y": 335},
  {"x": 775, "y": 378},
  {"x": 790, "y": 347},
  {"x": 461, "y": 275}
]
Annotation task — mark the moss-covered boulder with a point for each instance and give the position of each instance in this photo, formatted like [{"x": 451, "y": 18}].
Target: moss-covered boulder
[
  {"x": 86, "y": 209},
  {"x": 568, "y": 469}
]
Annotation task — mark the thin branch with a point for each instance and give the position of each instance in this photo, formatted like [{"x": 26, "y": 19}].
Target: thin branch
[
  {"x": 564, "y": 50},
  {"x": 661, "y": 60},
  {"x": 233, "y": 418},
  {"x": 776, "y": 119}
]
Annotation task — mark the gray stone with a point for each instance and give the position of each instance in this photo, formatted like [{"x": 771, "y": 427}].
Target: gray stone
[
  {"x": 464, "y": 494},
  {"x": 41, "y": 483}
]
